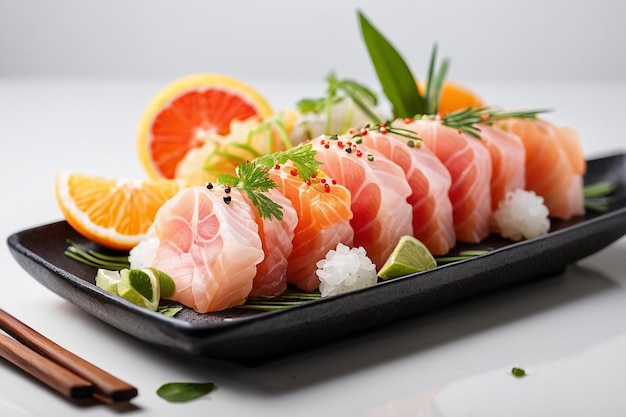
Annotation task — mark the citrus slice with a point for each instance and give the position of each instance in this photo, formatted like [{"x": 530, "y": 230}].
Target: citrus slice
[
  {"x": 108, "y": 280},
  {"x": 166, "y": 283},
  {"x": 189, "y": 110},
  {"x": 409, "y": 256},
  {"x": 455, "y": 97},
  {"x": 141, "y": 287},
  {"x": 115, "y": 213}
]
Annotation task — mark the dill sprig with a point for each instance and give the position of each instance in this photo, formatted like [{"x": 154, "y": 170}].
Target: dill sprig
[
  {"x": 253, "y": 177},
  {"x": 469, "y": 120},
  {"x": 337, "y": 91}
]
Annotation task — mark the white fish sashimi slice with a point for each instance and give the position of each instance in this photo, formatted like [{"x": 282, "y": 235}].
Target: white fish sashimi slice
[{"x": 210, "y": 248}]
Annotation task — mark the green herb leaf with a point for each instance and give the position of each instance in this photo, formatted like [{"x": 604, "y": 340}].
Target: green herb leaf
[
  {"x": 518, "y": 372},
  {"x": 434, "y": 83},
  {"x": 178, "y": 392},
  {"x": 396, "y": 79},
  {"x": 169, "y": 311},
  {"x": 253, "y": 177}
]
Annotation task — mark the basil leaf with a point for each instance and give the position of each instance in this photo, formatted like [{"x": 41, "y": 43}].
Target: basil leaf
[
  {"x": 178, "y": 392},
  {"x": 398, "y": 84}
]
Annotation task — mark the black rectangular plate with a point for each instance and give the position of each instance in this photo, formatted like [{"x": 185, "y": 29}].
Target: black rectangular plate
[{"x": 255, "y": 337}]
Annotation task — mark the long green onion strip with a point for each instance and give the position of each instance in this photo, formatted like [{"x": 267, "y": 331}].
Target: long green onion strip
[
  {"x": 597, "y": 196},
  {"x": 462, "y": 256},
  {"x": 96, "y": 259},
  {"x": 290, "y": 298}
]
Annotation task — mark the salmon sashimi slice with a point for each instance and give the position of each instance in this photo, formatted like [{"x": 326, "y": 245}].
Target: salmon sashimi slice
[
  {"x": 379, "y": 191},
  {"x": 555, "y": 164},
  {"x": 277, "y": 240},
  {"x": 508, "y": 163},
  {"x": 469, "y": 164},
  {"x": 210, "y": 248},
  {"x": 430, "y": 184},
  {"x": 323, "y": 212}
]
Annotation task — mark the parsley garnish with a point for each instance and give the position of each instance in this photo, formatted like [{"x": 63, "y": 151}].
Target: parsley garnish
[{"x": 253, "y": 177}]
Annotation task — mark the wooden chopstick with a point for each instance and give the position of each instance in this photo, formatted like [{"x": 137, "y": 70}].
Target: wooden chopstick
[
  {"x": 106, "y": 387},
  {"x": 45, "y": 370}
]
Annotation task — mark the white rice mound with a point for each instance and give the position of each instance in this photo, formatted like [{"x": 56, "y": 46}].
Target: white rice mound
[
  {"x": 521, "y": 215},
  {"x": 345, "y": 269}
]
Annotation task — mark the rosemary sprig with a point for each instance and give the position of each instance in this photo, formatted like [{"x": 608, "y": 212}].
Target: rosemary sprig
[
  {"x": 468, "y": 120},
  {"x": 337, "y": 91},
  {"x": 253, "y": 177},
  {"x": 387, "y": 127}
]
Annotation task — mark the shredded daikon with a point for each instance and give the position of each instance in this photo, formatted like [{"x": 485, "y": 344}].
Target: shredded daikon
[
  {"x": 345, "y": 269},
  {"x": 522, "y": 215},
  {"x": 142, "y": 255}
]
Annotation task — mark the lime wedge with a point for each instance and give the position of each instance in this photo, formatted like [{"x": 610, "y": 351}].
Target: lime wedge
[
  {"x": 108, "y": 280},
  {"x": 168, "y": 286},
  {"x": 409, "y": 256},
  {"x": 141, "y": 287}
]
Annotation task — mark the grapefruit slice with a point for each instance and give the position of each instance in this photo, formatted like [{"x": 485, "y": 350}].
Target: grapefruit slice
[{"x": 186, "y": 112}]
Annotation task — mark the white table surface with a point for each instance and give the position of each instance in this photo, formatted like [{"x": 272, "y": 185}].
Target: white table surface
[{"x": 568, "y": 332}]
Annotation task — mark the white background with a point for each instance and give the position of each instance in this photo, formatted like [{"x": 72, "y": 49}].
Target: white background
[{"x": 487, "y": 39}]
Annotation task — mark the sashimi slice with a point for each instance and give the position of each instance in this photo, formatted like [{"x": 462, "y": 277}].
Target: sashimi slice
[
  {"x": 379, "y": 191},
  {"x": 323, "y": 212},
  {"x": 277, "y": 240},
  {"x": 208, "y": 246},
  {"x": 555, "y": 164},
  {"x": 430, "y": 183},
  {"x": 508, "y": 162},
  {"x": 469, "y": 164}
]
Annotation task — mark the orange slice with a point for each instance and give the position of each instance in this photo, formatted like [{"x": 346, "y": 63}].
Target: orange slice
[
  {"x": 184, "y": 114},
  {"x": 455, "y": 97},
  {"x": 115, "y": 213}
]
